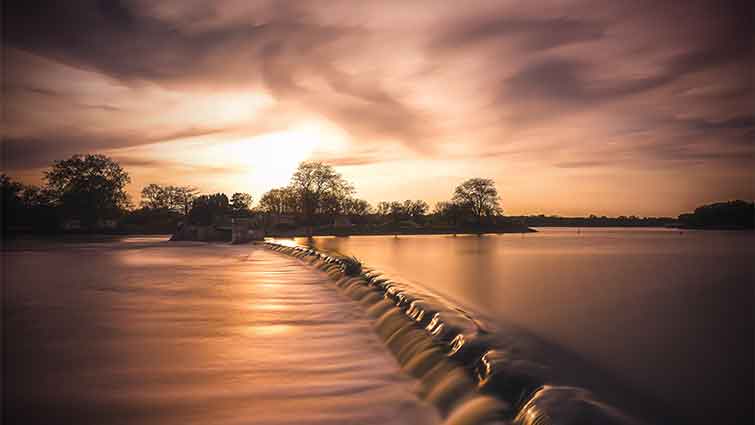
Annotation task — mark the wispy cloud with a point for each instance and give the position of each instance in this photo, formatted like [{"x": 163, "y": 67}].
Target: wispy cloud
[{"x": 557, "y": 87}]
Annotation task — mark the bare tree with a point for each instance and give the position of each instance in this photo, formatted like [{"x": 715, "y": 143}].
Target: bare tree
[
  {"x": 480, "y": 196},
  {"x": 314, "y": 182},
  {"x": 278, "y": 201},
  {"x": 171, "y": 198},
  {"x": 357, "y": 207}
]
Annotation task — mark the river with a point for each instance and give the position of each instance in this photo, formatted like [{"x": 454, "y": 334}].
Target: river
[
  {"x": 657, "y": 321},
  {"x": 146, "y": 331}
]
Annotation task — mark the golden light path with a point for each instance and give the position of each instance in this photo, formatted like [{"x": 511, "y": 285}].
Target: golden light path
[{"x": 172, "y": 336}]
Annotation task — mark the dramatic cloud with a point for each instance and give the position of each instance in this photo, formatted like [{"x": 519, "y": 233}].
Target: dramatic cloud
[{"x": 538, "y": 96}]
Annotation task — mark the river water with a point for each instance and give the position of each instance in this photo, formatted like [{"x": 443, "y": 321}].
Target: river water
[
  {"x": 146, "y": 331},
  {"x": 657, "y": 321}
]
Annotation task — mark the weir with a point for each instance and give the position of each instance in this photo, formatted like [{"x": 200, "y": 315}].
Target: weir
[{"x": 463, "y": 369}]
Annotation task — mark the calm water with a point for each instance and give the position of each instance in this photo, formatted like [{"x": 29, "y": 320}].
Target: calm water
[
  {"x": 656, "y": 321},
  {"x": 145, "y": 331}
]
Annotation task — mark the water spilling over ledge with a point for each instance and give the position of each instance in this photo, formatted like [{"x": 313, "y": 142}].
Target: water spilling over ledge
[{"x": 464, "y": 369}]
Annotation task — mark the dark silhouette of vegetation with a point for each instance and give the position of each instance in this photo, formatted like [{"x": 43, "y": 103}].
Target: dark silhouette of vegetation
[
  {"x": 209, "y": 209},
  {"x": 451, "y": 212},
  {"x": 722, "y": 215},
  {"x": 403, "y": 211},
  {"x": 87, "y": 193},
  {"x": 90, "y": 188},
  {"x": 150, "y": 221},
  {"x": 593, "y": 221},
  {"x": 278, "y": 201},
  {"x": 356, "y": 207},
  {"x": 317, "y": 195},
  {"x": 319, "y": 188},
  {"x": 27, "y": 207},
  {"x": 241, "y": 204},
  {"x": 480, "y": 197},
  {"x": 172, "y": 198}
]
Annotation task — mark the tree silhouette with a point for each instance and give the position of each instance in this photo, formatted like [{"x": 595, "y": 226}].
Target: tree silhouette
[
  {"x": 241, "y": 203},
  {"x": 313, "y": 183},
  {"x": 171, "y": 198},
  {"x": 279, "y": 201},
  {"x": 88, "y": 187},
  {"x": 206, "y": 209},
  {"x": 356, "y": 207},
  {"x": 480, "y": 196}
]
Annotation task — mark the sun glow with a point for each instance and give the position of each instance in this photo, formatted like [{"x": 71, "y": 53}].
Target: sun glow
[
  {"x": 272, "y": 158},
  {"x": 236, "y": 162}
]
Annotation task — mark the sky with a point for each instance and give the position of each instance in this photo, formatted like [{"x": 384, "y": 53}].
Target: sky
[{"x": 572, "y": 107}]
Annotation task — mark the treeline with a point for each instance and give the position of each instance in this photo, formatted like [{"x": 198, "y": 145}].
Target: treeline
[
  {"x": 721, "y": 215},
  {"x": 87, "y": 188},
  {"x": 594, "y": 221},
  {"x": 87, "y": 193}
]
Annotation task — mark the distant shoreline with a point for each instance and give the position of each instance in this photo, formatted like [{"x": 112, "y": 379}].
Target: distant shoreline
[
  {"x": 359, "y": 230},
  {"x": 402, "y": 233}
]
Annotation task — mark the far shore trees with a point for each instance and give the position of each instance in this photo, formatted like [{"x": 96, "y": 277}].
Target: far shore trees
[
  {"x": 314, "y": 184},
  {"x": 90, "y": 188},
  {"x": 480, "y": 196},
  {"x": 400, "y": 211},
  {"x": 168, "y": 197},
  {"x": 279, "y": 201},
  {"x": 450, "y": 212},
  {"x": 356, "y": 207},
  {"x": 86, "y": 193},
  {"x": 721, "y": 215},
  {"x": 241, "y": 203},
  {"x": 209, "y": 209}
]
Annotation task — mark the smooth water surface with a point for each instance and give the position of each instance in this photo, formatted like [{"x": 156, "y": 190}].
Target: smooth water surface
[
  {"x": 662, "y": 317},
  {"x": 146, "y": 331}
]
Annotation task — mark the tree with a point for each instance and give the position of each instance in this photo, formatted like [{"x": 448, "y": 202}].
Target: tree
[
  {"x": 171, "y": 198},
  {"x": 207, "y": 209},
  {"x": 356, "y": 207},
  {"x": 89, "y": 187},
  {"x": 396, "y": 211},
  {"x": 12, "y": 205},
  {"x": 35, "y": 196},
  {"x": 415, "y": 209},
  {"x": 313, "y": 183},
  {"x": 450, "y": 212},
  {"x": 27, "y": 205},
  {"x": 733, "y": 215},
  {"x": 480, "y": 196},
  {"x": 278, "y": 201},
  {"x": 184, "y": 198},
  {"x": 241, "y": 203},
  {"x": 383, "y": 208}
]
